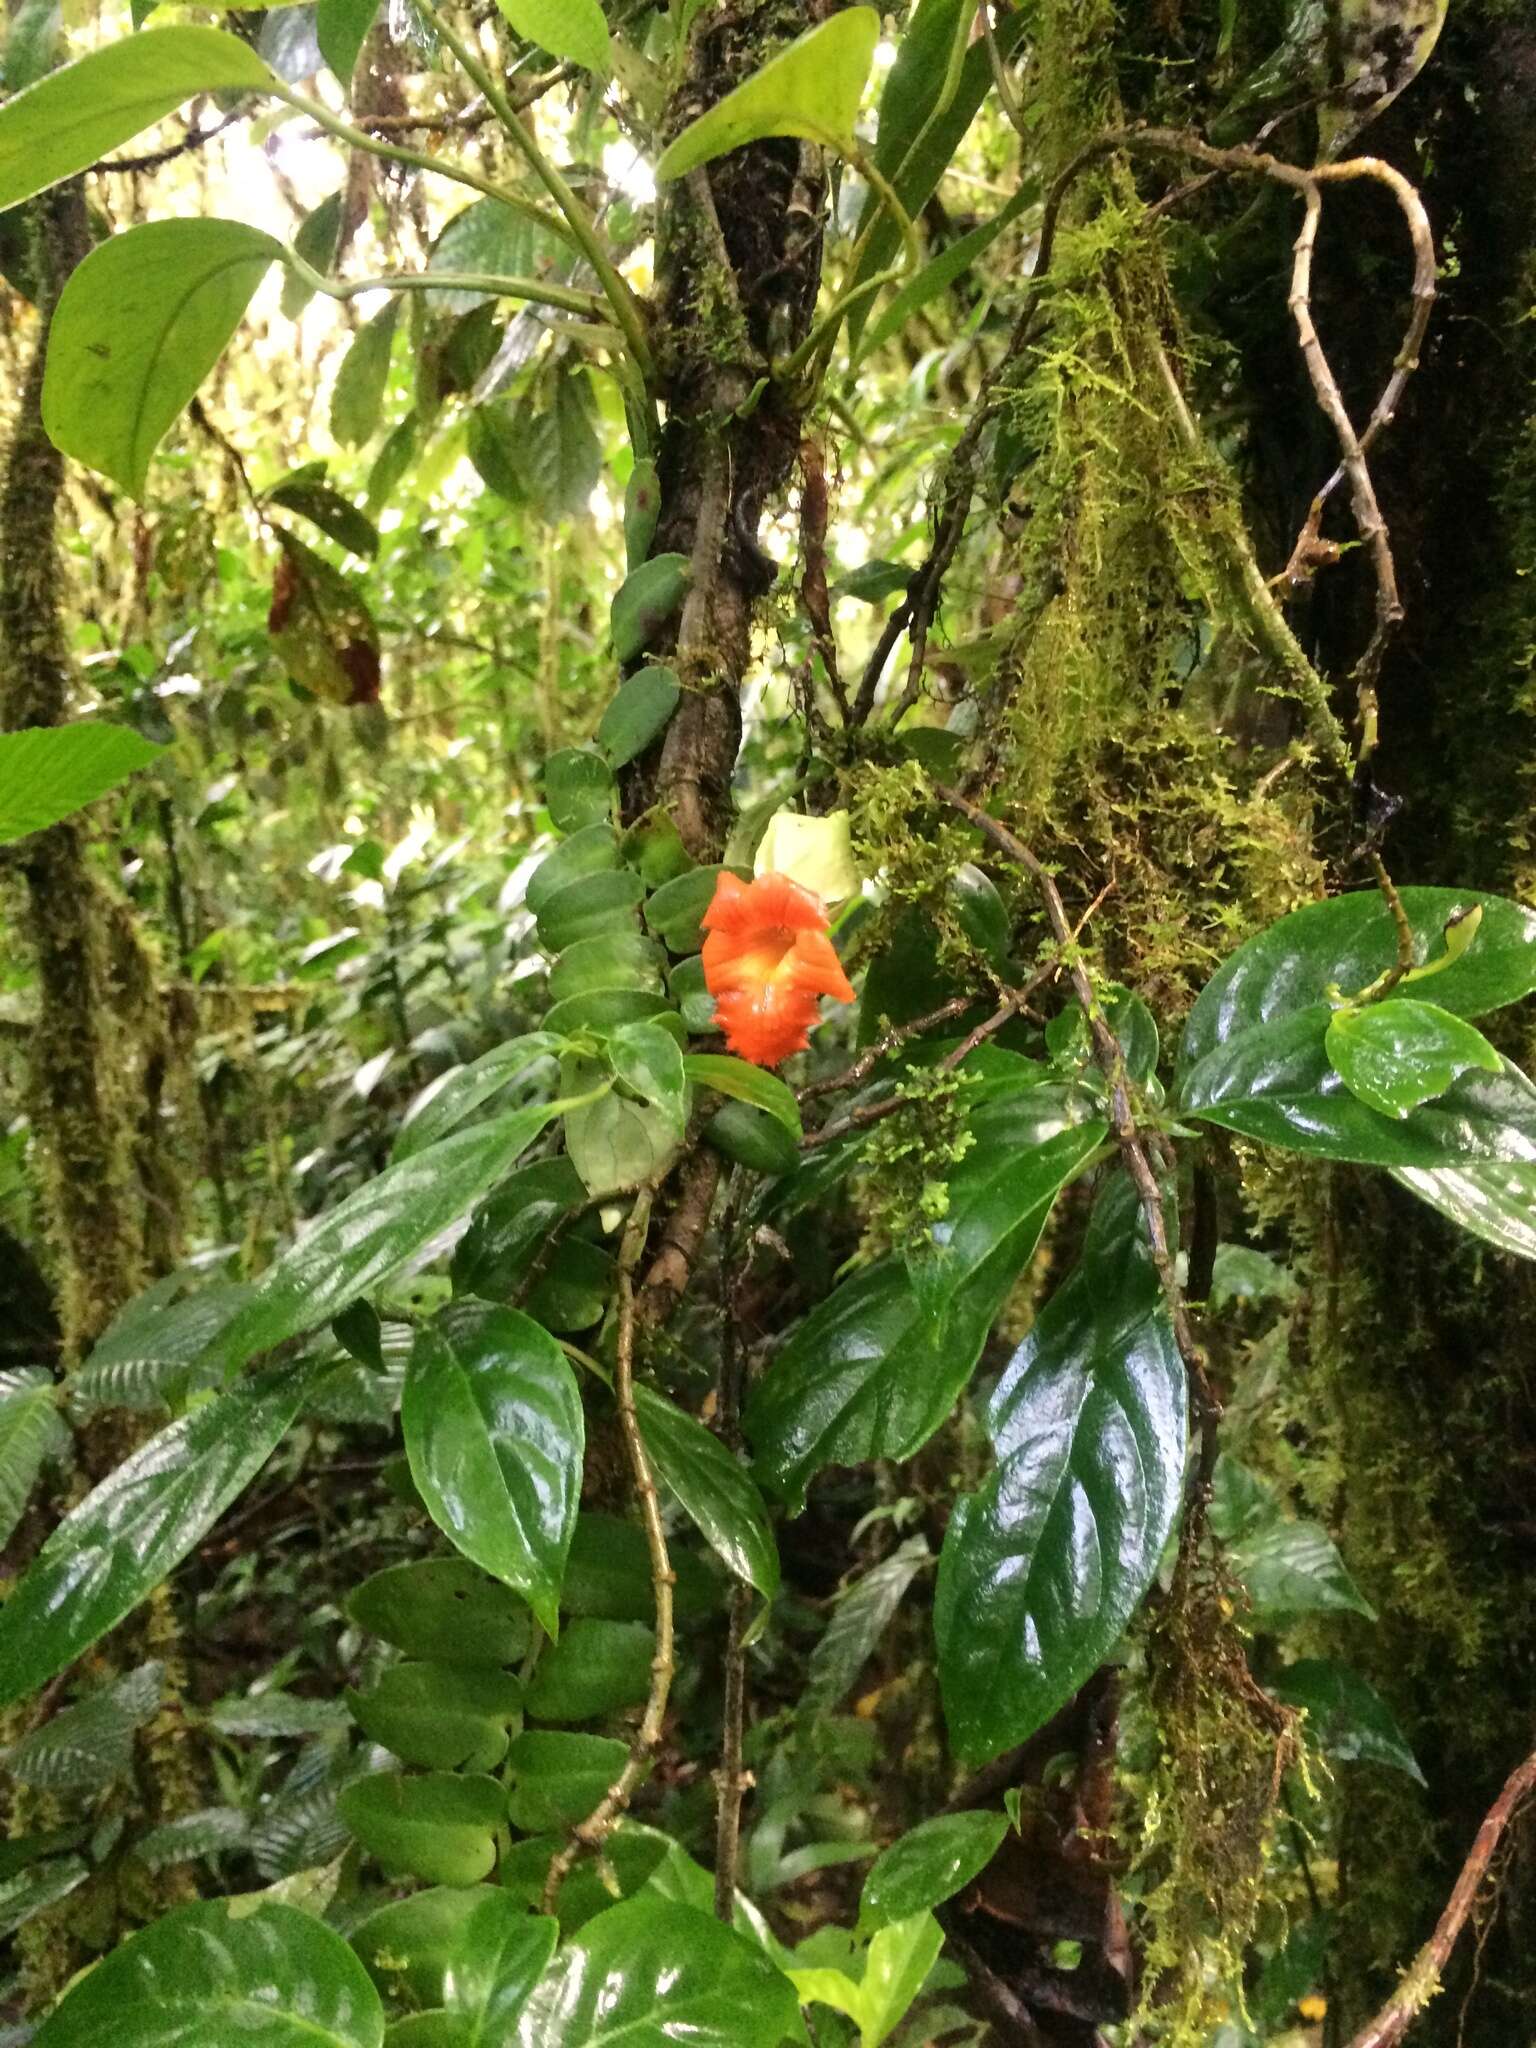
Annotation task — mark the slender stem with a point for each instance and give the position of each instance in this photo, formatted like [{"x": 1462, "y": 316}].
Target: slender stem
[
  {"x": 534, "y": 290},
  {"x": 610, "y": 1808},
  {"x": 626, "y": 308}
]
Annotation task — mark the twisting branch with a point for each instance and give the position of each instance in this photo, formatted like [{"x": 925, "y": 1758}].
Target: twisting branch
[
  {"x": 614, "y": 1802},
  {"x": 1110, "y": 1056},
  {"x": 1422, "y": 1979},
  {"x": 195, "y": 138}
]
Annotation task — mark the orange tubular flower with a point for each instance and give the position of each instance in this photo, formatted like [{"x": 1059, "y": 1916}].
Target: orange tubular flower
[{"x": 766, "y": 961}]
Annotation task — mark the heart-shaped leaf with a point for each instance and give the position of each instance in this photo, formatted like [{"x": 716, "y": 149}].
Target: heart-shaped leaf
[{"x": 444, "y": 1609}]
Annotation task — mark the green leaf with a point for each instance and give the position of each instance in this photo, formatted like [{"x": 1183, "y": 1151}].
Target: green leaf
[
  {"x": 752, "y": 1139},
  {"x": 589, "y": 909},
  {"x": 494, "y": 1432},
  {"x": 642, "y": 511},
  {"x": 936, "y": 276},
  {"x": 443, "y": 1609},
  {"x": 377, "y": 1230},
  {"x": 596, "y": 1668},
  {"x": 646, "y": 1059},
  {"x": 1288, "y": 1566},
  {"x": 341, "y": 29},
  {"x": 440, "y": 1715},
  {"x": 462, "y": 1090},
  {"x": 895, "y": 1970},
  {"x": 1495, "y": 1201},
  {"x": 1346, "y": 1717},
  {"x": 812, "y": 89},
  {"x": 31, "y": 1432},
  {"x": 745, "y": 1083},
  {"x": 713, "y": 1488},
  {"x": 316, "y": 241},
  {"x": 863, "y": 1613},
  {"x": 874, "y": 1370},
  {"x": 211, "y": 1831},
  {"x": 473, "y": 1952},
  {"x": 570, "y": 29},
  {"x": 638, "y": 713},
  {"x": 73, "y": 117},
  {"x": 32, "y": 1891},
  {"x": 337, "y": 517},
  {"x": 441, "y": 1827},
  {"x": 31, "y": 46},
  {"x": 1042, "y": 1569},
  {"x": 138, "y": 327},
  {"x": 614, "y": 1144},
  {"x": 929, "y": 1864},
  {"x": 651, "y": 1973},
  {"x": 357, "y": 401},
  {"x": 645, "y": 602},
  {"x": 137, "y": 1525},
  {"x": 88, "y": 1745},
  {"x": 608, "y": 1574},
  {"x": 618, "y": 960},
  {"x": 46, "y": 773},
  {"x": 1396, "y": 1054},
  {"x": 218, "y": 1971},
  {"x": 592, "y": 851},
  {"x": 559, "y": 456},
  {"x": 558, "y": 1778},
  {"x": 578, "y": 788},
  {"x": 573, "y": 1289},
  {"x": 508, "y": 1229}
]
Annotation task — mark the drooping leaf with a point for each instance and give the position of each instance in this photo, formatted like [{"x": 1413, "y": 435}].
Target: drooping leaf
[
  {"x": 46, "y": 773},
  {"x": 321, "y": 627},
  {"x": 69, "y": 119},
  {"x": 1396, "y": 1054},
  {"x": 137, "y": 1525},
  {"x": 336, "y": 516},
  {"x": 570, "y": 29},
  {"x": 929, "y": 1864},
  {"x": 341, "y": 29},
  {"x": 640, "y": 710},
  {"x": 440, "y": 1827},
  {"x": 443, "y": 1609},
  {"x": 444, "y": 1106},
  {"x": 812, "y": 89},
  {"x": 88, "y": 1745},
  {"x": 1288, "y": 1565},
  {"x": 936, "y": 276},
  {"x": 651, "y": 1973},
  {"x": 714, "y": 1489},
  {"x": 31, "y": 1431},
  {"x": 863, "y": 1613},
  {"x": 1346, "y": 1717},
  {"x": 596, "y": 1668},
  {"x": 1042, "y": 1569},
  {"x": 357, "y": 402},
  {"x": 494, "y": 1432},
  {"x": 140, "y": 324},
  {"x": 745, "y": 1083},
  {"x": 508, "y": 1229}
]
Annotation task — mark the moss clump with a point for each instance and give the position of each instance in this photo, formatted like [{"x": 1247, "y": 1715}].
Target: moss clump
[{"x": 903, "y": 1186}]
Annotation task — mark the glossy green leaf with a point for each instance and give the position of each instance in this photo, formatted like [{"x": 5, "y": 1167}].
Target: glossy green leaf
[
  {"x": 613, "y": 1143},
  {"x": 638, "y": 713},
  {"x": 472, "y": 1951},
  {"x": 506, "y": 1232},
  {"x": 73, "y": 117},
  {"x": 377, "y": 1230},
  {"x": 596, "y": 1668},
  {"x": 1289, "y": 1566},
  {"x": 752, "y": 1138},
  {"x": 590, "y": 908},
  {"x": 1495, "y": 1201},
  {"x": 873, "y": 1370},
  {"x": 571, "y": 29},
  {"x": 1396, "y": 1054},
  {"x": 651, "y": 1973},
  {"x": 616, "y": 960},
  {"x": 460, "y": 1092},
  {"x": 713, "y": 1488},
  {"x": 642, "y": 512},
  {"x": 219, "y": 1971},
  {"x": 896, "y": 1966},
  {"x": 443, "y": 1609},
  {"x": 494, "y": 1432},
  {"x": 673, "y": 912},
  {"x": 746, "y": 1083},
  {"x": 812, "y": 89},
  {"x": 860, "y": 1618},
  {"x": 31, "y": 1432},
  {"x": 578, "y": 788},
  {"x": 1042, "y": 1569},
  {"x": 137, "y": 1525},
  {"x": 46, "y": 773},
  {"x": 573, "y": 1287},
  {"x": 980, "y": 912},
  {"x": 929, "y": 1864},
  {"x": 441, "y": 1827},
  {"x": 644, "y": 603},
  {"x": 357, "y": 400},
  {"x": 138, "y": 327},
  {"x": 557, "y": 1778},
  {"x": 341, "y": 29},
  {"x": 440, "y": 1715},
  {"x": 647, "y": 1061},
  {"x": 1346, "y": 1717}
]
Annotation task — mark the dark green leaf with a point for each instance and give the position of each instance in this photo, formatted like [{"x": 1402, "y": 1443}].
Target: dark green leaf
[
  {"x": 72, "y": 117},
  {"x": 1396, "y": 1054},
  {"x": 210, "y": 1831},
  {"x": 645, "y": 601},
  {"x": 558, "y": 1778},
  {"x": 618, "y": 960},
  {"x": 588, "y": 909},
  {"x": 507, "y": 1230},
  {"x": 1288, "y": 1566},
  {"x": 674, "y": 911},
  {"x": 31, "y": 1431},
  {"x": 316, "y": 241},
  {"x": 752, "y": 1138},
  {"x": 578, "y": 788},
  {"x": 811, "y": 89},
  {"x": 336, "y": 516},
  {"x": 341, "y": 29},
  {"x": 440, "y": 1827},
  {"x": 46, "y": 773},
  {"x": 221, "y": 1972},
  {"x": 32, "y": 1891},
  {"x": 595, "y": 1668},
  {"x": 474, "y": 1952},
  {"x": 713, "y": 1488},
  {"x": 592, "y": 851},
  {"x": 695, "y": 1004},
  {"x": 608, "y": 1574},
  {"x": 440, "y": 1715},
  {"x": 1496, "y": 1202},
  {"x": 937, "y": 275},
  {"x": 140, "y": 324},
  {"x": 981, "y": 912},
  {"x": 573, "y": 1289},
  {"x": 652, "y": 1973},
  {"x": 137, "y": 1526},
  {"x": 444, "y": 1609},
  {"x": 642, "y": 510},
  {"x": 494, "y": 1432},
  {"x": 745, "y": 1083},
  {"x": 1042, "y": 1569},
  {"x": 929, "y": 1864},
  {"x": 88, "y": 1745},
  {"x": 644, "y": 703},
  {"x": 357, "y": 401},
  {"x": 1346, "y": 1718},
  {"x": 559, "y": 456}
]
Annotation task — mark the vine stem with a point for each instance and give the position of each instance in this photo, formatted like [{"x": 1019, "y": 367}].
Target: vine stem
[
  {"x": 569, "y": 299},
  {"x": 611, "y": 1807},
  {"x": 1422, "y": 1979}
]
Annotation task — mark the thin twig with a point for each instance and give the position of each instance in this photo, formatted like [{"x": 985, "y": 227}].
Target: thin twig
[
  {"x": 195, "y": 138},
  {"x": 871, "y": 1057},
  {"x": 1422, "y": 1979},
  {"x": 732, "y": 1778},
  {"x": 615, "y": 1801}
]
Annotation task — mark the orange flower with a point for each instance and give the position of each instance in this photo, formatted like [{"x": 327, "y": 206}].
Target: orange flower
[{"x": 766, "y": 960}]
